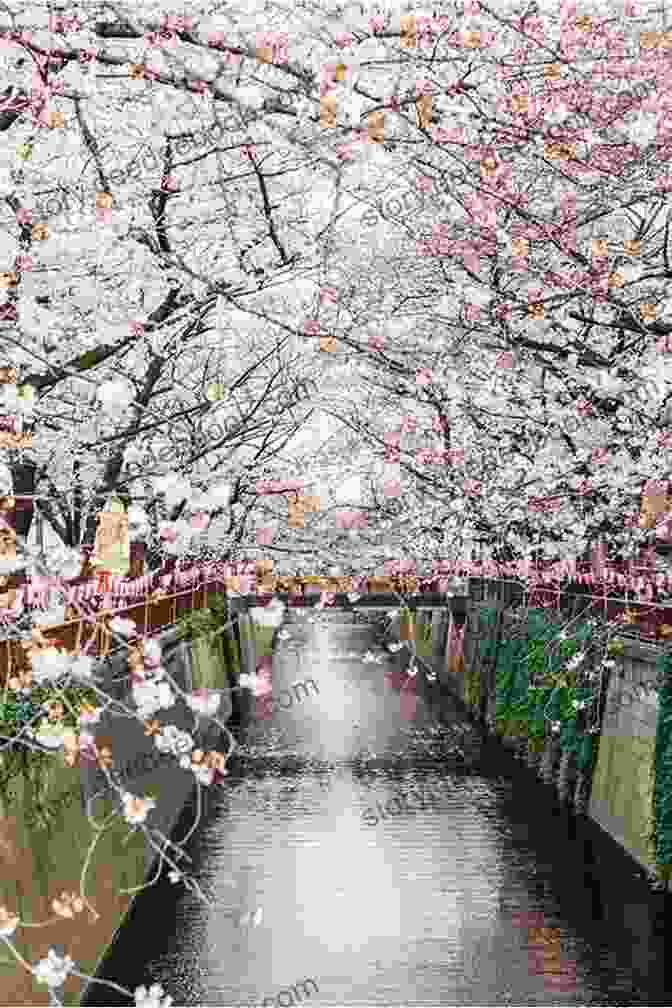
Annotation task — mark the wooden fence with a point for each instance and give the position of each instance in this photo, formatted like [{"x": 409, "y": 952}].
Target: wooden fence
[{"x": 92, "y": 636}]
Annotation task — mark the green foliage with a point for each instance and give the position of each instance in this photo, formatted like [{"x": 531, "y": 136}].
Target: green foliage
[
  {"x": 263, "y": 637},
  {"x": 532, "y": 688},
  {"x": 662, "y": 790},
  {"x": 472, "y": 687},
  {"x": 87, "y": 360},
  {"x": 204, "y": 621},
  {"x": 17, "y": 710},
  {"x": 536, "y": 659}
]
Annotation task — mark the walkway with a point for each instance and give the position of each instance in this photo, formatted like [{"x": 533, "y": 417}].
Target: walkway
[{"x": 389, "y": 863}]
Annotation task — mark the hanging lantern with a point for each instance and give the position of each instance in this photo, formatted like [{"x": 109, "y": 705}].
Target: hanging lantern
[
  {"x": 328, "y": 343},
  {"x": 328, "y": 110},
  {"x": 112, "y": 546},
  {"x": 408, "y": 32},
  {"x": 654, "y": 503},
  {"x": 406, "y": 625},
  {"x": 423, "y": 108},
  {"x": 7, "y": 533},
  {"x": 295, "y": 514},
  {"x": 264, "y": 50},
  {"x": 376, "y": 126}
]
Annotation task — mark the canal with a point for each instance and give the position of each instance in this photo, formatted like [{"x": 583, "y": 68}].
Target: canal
[{"x": 368, "y": 854}]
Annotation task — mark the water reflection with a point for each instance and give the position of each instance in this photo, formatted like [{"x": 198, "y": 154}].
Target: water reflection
[{"x": 488, "y": 895}]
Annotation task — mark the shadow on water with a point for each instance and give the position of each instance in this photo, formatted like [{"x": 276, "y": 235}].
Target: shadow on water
[{"x": 428, "y": 871}]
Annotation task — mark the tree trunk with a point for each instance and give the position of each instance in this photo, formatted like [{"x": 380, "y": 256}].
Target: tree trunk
[{"x": 23, "y": 477}]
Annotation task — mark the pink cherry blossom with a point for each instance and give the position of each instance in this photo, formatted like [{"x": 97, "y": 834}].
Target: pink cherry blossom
[
  {"x": 530, "y": 919},
  {"x": 264, "y": 536},
  {"x": 600, "y": 456},
  {"x": 391, "y": 488},
  {"x": 177, "y": 23},
  {"x": 377, "y": 23},
  {"x": 424, "y": 377},
  {"x": 264, "y": 670},
  {"x": 505, "y": 360},
  {"x": 408, "y": 701},
  {"x": 343, "y": 39},
  {"x": 376, "y": 343}
]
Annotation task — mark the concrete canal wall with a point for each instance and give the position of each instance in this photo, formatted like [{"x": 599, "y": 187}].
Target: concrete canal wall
[
  {"x": 618, "y": 794},
  {"x": 40, "y": 860},
  {"x": 45, "y": 834}
]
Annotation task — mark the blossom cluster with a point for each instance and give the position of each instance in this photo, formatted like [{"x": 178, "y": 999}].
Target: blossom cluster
[
  {"x": 546, "y": 360},
  {"x": 152, "y": 690}
]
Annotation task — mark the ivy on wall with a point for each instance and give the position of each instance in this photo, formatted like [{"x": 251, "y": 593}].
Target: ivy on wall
[
  {"x": 662, "y": 790},
  {"x": 540, "y": 680},
  {"x": 535, "y": 687},
  {"x": 201, "y": 622}
]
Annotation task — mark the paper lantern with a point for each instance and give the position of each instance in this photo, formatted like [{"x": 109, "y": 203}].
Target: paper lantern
[
  {"x": 423, "y": 108},
  {"x": 408, "y": 33},
  {"x": 328, "y": 110},
  {"x": 264, "y": 50},
  {"x": 376, "y": 126},
  {"x": 7, "y": 543},
  {"x": 112, "y": 545},
  {"x": 655, "y": 502},
  {"x": 136, "y": 559},
  {"x": 406, "y": 625}
]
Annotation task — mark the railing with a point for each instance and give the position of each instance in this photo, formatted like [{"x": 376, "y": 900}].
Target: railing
[{"x": 638, "y": 619}]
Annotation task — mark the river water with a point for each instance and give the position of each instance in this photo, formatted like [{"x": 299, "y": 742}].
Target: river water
[{"x": 366, "y": 854}]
